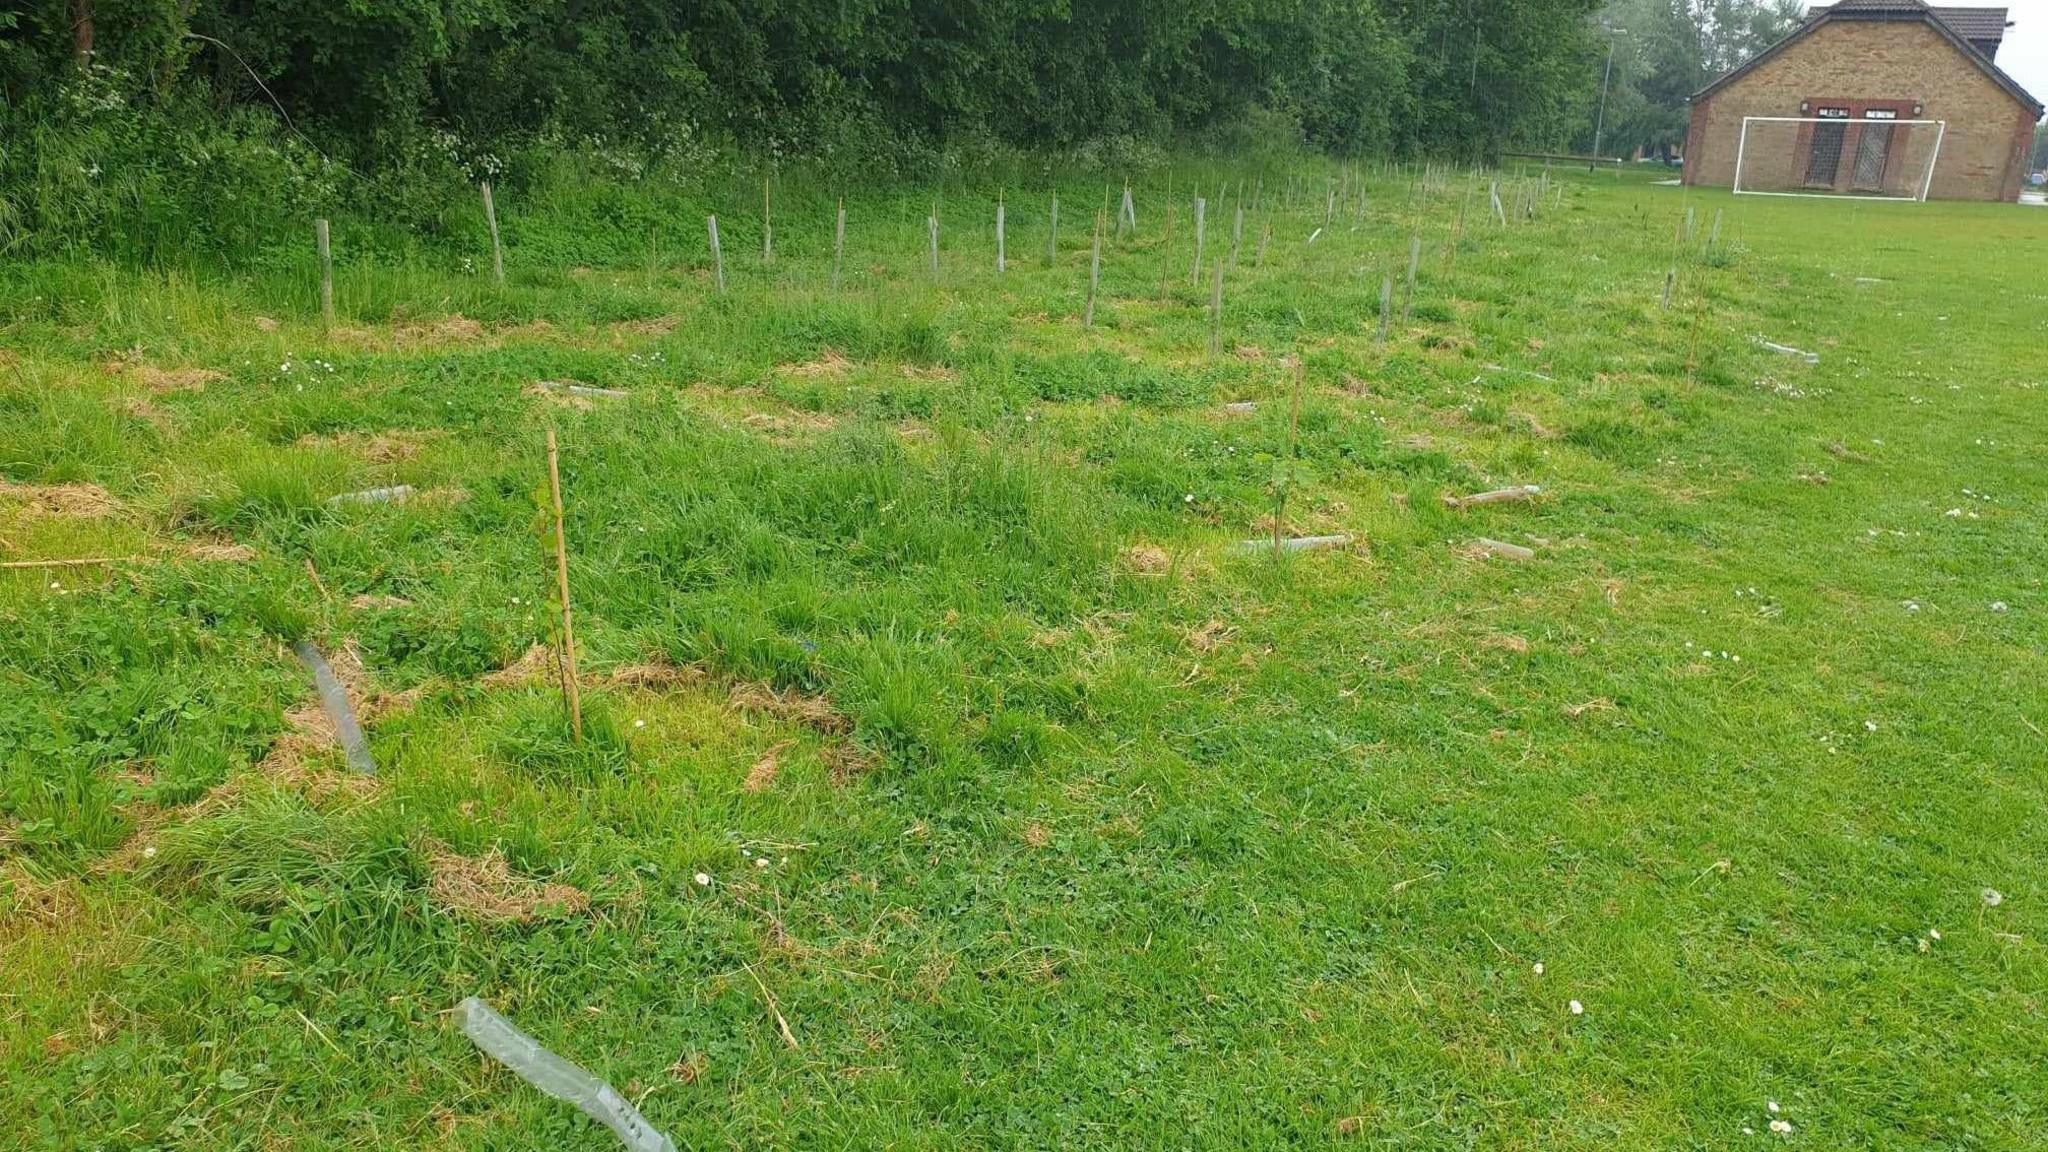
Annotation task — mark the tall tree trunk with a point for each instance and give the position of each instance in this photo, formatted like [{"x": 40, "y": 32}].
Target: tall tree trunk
[{"x": 81, "y": 31}]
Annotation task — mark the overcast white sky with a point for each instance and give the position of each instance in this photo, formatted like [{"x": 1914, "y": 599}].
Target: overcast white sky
[{"x": 2024, "y": 55}]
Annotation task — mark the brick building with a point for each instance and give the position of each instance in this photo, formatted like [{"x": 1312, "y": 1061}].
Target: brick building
[{"x": 1866, "y": 62}]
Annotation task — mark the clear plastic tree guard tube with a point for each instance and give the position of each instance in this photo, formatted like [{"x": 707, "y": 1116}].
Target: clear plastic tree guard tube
[{"x": 502, "y": 1041}]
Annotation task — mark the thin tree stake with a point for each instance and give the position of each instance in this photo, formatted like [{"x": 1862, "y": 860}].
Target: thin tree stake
[
  {"x": 717, "y": 253},
  {"x": 569, "y": 690},
  {"x": 1094, "y": 275},
  {"x": 838, "y": 243},
  {"x": 497, "y": 249}
]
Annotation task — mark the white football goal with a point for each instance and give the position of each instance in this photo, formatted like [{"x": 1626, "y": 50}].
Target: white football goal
[{"x": 1872, "y": 156}]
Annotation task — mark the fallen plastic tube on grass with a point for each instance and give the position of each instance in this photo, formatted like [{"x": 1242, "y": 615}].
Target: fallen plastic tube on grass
[
  {"x": 1497, "y": 496},
  {"x": 1295, "y": 543},
  {"x": 335, "y": 700},
  {"x": 1503, "y": 549},
  {"x": 575, "y": 389},
  {"x": 1787, "y": 349},
  {"x": 372, "y": 495},
  {"x": 502, "y": 1041}
]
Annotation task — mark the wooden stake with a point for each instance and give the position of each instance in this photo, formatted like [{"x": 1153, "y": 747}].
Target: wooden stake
[
  {"x": 569, "y": 691},
  {"x": 1201, "y": 214},
  {"x": 1265, "y": 237},
  {"x": 1052, "y": 237},
  {"x": 932, "y": 225},
  {"x": 1237, "y": 228},
  {"x": 838, "y": 243},
  {"x": 999, "y": 232},
  {"x": 767, "y": 227},
  {"x": 1094, "y": 276},
  {"x": 717, "y": 253},
  {"x": 497, "y": 249},
  {"x": 326, "y": 251},
  {"x": 1670, "y": 275}
]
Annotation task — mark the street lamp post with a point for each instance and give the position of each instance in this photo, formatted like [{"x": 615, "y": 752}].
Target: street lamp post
[{"x": 1606, "y": 75}]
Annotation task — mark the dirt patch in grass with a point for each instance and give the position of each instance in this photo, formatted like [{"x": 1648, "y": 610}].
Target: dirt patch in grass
[
  {"x": 76, "y": 501},
  {"x": 24, "y": 897},
  {"x": 483, "y": 888}
]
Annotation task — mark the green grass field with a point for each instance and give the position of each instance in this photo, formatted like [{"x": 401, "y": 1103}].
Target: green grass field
[{"x": 1035, "y": 812}]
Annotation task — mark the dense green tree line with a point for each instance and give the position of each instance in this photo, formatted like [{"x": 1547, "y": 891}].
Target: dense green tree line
[{"x": 386, "y": 85}]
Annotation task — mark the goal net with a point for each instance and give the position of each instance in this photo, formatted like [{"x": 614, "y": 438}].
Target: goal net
[{"x": 1874, "y": 156}]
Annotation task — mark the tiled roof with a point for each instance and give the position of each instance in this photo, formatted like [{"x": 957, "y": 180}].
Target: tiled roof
[
  {"x": 1969, "y": 23},
  {"x": 1916, "y": 10}
]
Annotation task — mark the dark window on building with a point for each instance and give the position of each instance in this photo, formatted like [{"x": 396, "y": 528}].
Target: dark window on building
[{"x": 1824, "y": 159}]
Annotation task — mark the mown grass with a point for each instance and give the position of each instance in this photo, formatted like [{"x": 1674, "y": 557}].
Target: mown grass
[{"x": 1081, "y": 827}]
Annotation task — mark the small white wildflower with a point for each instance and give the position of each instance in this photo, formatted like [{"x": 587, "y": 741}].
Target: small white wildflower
[
  {"x": 1539, "y": 968},
  {"x": 1993, "y": 897},
  {"x": 1870, "y": 725},
  {"x": 1781, "y": 1127},
  {"x": 149, "y": 853},
  {"x": 54, "y": 586},
  {"x": 1953, "y": 512},
  {"x": 1188, "y": 499},
  {"x": 1577, "y": 1008},
  {"x": 1998, "y": 606},
  {"x": 763, "y": 862},
  {"x": 703, "y": 880},
  {"x": 1934, "y": 934},
  {"x": 639, "y": 723},
  {"x": 1772, "y": 1106}
]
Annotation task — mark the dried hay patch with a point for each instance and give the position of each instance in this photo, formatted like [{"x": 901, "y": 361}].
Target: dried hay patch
[
  {"x": 1148, "y": 560},
  {"x": 51, "y": 903},
  {"x": 829, "y": 364},
  {"x": 369, "y": 602},
  {"x": 395, "y": 446},
  {"x": 790, "y": 707},
  {"x": 559, "y": 396},
  {"x": 483, "y": 888},
  {"x": 790, "y": 425},
  {"x": 454, "y": 329},
  {"x": 1209, "y": 636},
  {"x": 533, "y": 666},
  {"x": 762, "y": 775},
  {"x": 653, "y": 676},
  {"x": 77, "y": 501},
  {"x": 1503, "y": 642},
  {"x": 221, "y": 551},
  {"x": 651, "y": 326},
  {"x": 161, "y": 380},
  {"x": 844, "y": 760},
  {"x": 931, "y": 373}
]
